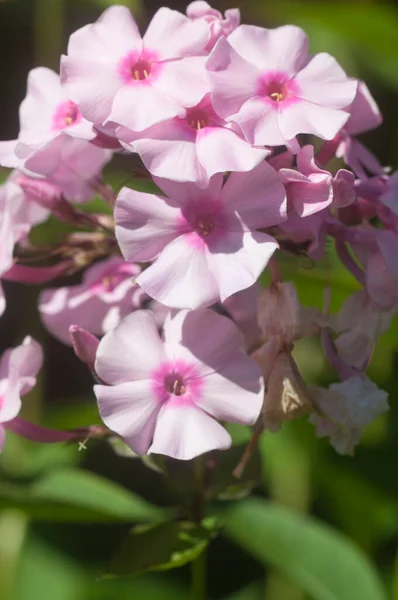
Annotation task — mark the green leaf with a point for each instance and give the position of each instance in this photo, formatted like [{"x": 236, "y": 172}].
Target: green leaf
[
  {"x": 219, "y": 466},
  {"x": 76, "y": 495},
  {"x": 162, "y": 547},
  {"x": 318, "y": 559},
  {"x": 44, "y": 572},
  {"x": 225, "y": 486}
]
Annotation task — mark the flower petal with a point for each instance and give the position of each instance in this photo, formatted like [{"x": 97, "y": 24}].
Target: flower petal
[
  {"x": 307, "y": 117},
  {"x": 92, "y": 85},
  {"x": 183, "y": 81},
  {"x": 284, "y": 48},
  {"x": 324, "y": 82},
  {"x": 202, "y": 336},
  {"x": 180, "y": 277},
  {"x": 258, "y": 196},
  {"x": 139, "y": 106},
  {"x": 220, "y": 149},
  {"x": 145, "y": 224},
  {"x": 130, "y": 409},
  {"x": 238, "y": 261},
  {"x": 111, "y": 37},
  {"x": 184, "y": 432},
  {"x": 131, "y": 351},
  {"x": 168, "y": 150},
  {"x": 236, "y": 393},
  {"x": 226, "y": 67},
  {"x": 259, "y": 123},
  {"x": 172, "y": 35}
]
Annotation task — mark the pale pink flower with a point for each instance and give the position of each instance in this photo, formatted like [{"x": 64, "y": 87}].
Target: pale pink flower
[
  {"x": 18, "y": 369},
  {"x": 265, "y": 81},
  {"x": 193, "y": 148},
  {"x": 163, "y": 397},
  {"x": 47, "y": 112},
  {"x": 348, "y": 407},
  {"x": 219, "y": 26},
  {"x": 72, "y": 165},
  {"x": 17, "y": 216},
  {"x": 242, "y": 308},
  {"x": 360, "y": 323},
  {"x": 114, "y": 75},
  {"x": 106, "y": 294},
  {"x": 389, "y": 196},
  {"x": 204, "y": 243},
  {"x": 364, "y": 116},
  {"x": 311, "y": 229},
  {"x": 311, "y": 189},
  {"x": 46, "y": 115},
  {"x": 382, "y": 269}
]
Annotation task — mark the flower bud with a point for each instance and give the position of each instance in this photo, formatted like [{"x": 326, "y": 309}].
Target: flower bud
[{"x": 85, "y": 345}]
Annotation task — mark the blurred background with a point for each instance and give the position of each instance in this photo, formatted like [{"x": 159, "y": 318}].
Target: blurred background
[{"x": 44, "y": 553}]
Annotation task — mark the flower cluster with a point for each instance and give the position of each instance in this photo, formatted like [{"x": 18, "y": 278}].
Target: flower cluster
[{"x": 219, "y": 121}]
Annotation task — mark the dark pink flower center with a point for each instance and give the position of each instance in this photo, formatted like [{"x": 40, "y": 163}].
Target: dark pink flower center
[
  {"x": 202, "y": 115},
  {"x": 141, "y": 70},
  {"x": 66, "y": 114},
  {"x": 204, "y": 225},
  {"x": 277, "y": 91},
  {"x": 175, "y": 384},
  {"x": 138, "y": 67},
  {"x": 276, "y": 87}
]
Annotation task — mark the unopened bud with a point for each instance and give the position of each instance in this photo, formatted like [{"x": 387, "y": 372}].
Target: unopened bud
[{"x": 85, "y": 345}]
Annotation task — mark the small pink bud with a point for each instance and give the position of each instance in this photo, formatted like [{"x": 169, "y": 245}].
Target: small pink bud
[{"x": 85, "y": 345}]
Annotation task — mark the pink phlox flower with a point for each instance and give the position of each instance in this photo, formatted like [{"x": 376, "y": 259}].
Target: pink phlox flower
[
  {"x": 309, "y": 188},
  {"x": 18, "y": 369},
  {"x": 17, "y": 216},
  {"x": 359, "y": 324},
  {"x": 382, "y": 269},
  {"x": 203, "y": 242},
  {"x": 242, "y": 308},
  {"x": 389, "y": 195},
  {"x": 364, "y": 116},
  {"x": 265, "y": 81},
  {"x": 116, "y": 76},
  {"x": 164, "y": 396},
  {"x": 193, "y": 147},
  {"x": 348, "y": 406},
  {"x": 46, "y": 114},
  {"x": 312, "y": 229},
  {"x": 219, "y": 25},
  {"x": 106, "y": 294}
]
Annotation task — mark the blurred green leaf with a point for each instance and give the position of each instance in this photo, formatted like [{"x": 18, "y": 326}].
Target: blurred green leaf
[
  {"x": 352, "y": 499},
  {"x": 222, "y": 484},
  {"x": 153, "y": 587},
  {"x": 133, "y": 5},
  {"x": 76, "y": 495},
  {"x": 44, "y": 572},
  {"x": 254, "y": 591},
  {"x": 162, "y": 547},
  {"x": 320, "y": 560}
]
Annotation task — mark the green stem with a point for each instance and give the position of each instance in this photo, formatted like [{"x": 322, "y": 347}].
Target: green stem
[
  {"x": 198, "y": 571},
  {"x": 199, "y": 504}
]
